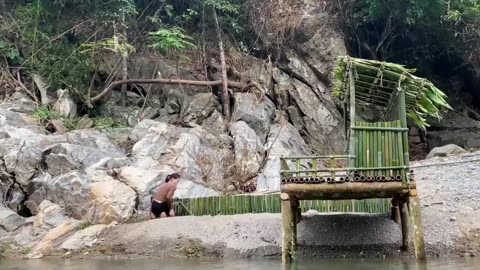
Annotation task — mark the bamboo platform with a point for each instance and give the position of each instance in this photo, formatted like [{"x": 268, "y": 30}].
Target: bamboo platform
[{"x": 376, "y": 163}]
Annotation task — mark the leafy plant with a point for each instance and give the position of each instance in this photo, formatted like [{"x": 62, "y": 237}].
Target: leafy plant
[{"x": 166, "y": 40}]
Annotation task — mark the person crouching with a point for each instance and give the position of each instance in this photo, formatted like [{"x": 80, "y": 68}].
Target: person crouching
[{"x": 162, "y": 202}]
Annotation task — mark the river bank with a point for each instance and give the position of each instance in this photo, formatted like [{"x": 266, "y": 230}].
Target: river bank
[
  {"x": 450, "y": 197},
  {"x": 450, "y": 194}
]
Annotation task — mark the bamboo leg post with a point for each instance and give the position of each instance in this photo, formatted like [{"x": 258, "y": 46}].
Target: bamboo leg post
[
  {"x": 416, "y": 225},
  {"x": 405, "y": 226},
  {"x": 297, "y": 211},
  {"x": 395, "y": 215},
  {"x": 289, "y": 241}
]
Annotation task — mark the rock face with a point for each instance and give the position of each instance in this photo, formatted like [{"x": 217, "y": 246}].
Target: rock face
[
  {"x": 194, "y": 153},
  {"x": 454, "y": 129},
  {"x": 447, "y": 150},
  {"x": 313, "y": 114},
  {"x": 248, "y": 148},
  {"x": 9, "y": 220},
  {"x": 258, "y": 114},
  {"x": 110, "y": 201},
  {"x": 283, "y": 140}
]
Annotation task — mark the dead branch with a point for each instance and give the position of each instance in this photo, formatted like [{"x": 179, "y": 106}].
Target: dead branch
[
  {"x": 243, "y": 87},
  {"x": 226, "y": 98}
]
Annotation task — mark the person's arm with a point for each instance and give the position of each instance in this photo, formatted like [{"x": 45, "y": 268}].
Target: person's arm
[{"x": 170, "y": 194}]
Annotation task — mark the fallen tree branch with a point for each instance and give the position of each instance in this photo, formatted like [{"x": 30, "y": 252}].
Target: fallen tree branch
[{"x": 235, "y": 85}]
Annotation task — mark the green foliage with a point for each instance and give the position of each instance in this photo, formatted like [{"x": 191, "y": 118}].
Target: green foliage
[
  {"x": 46, "y": 114},
  {"x": 9, "y": 51},
  {"x": 109, "y": 44},
  {"x": 166, "y": 40}
]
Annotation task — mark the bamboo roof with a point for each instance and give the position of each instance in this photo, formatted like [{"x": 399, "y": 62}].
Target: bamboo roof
[{"x": 377, "y": 84}]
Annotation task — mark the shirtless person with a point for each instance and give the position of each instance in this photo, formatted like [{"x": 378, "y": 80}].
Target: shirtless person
[{"x": 162, "y": 201}]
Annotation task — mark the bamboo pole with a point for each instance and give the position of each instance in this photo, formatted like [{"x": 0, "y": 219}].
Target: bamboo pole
[
  {"x": 384, "y": 151},
  {"x": 416, "y": 225},
  {"x": 403, "y": 121},
  {"x": 345, "y": 187},
  {"x": 352, "y": 113},
  {"x": 405, "y": 226},
  {"x": 288, "y": 230}
]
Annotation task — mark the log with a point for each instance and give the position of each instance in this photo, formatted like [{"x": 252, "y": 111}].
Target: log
[{"x": 113, "y": 85}]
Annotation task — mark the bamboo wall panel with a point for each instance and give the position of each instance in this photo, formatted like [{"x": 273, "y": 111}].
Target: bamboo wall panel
[{"x": 245, "y": 204}]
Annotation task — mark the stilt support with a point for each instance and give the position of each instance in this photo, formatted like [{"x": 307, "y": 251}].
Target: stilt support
[
  {"x": 289, "y": 229},
  {"x": 416, "y": 226},
  {"x": 395, "y": 215},
  {"x": 405, "y": 220}
]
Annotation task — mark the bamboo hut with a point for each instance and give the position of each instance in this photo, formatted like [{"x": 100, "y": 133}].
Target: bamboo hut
[{"x": 377, "y": 158}]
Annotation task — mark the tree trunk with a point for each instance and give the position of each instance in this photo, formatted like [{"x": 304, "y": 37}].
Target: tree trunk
[
  {"x": 124, "y": 63},
  {"x": 225, "y": 95}
]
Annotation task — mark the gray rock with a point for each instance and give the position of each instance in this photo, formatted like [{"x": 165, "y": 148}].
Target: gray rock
[
  {"x": 85, "y": 238},
  {"x": 12, "y": 119},
  {"x": 249, "y": 149},
  {"x": 19, "y": 102},
  {"x": 62, "y": 158},
  {"x": 142, "y": 128},
  {"x": 258, "y": 114},
  {"x": 9, "y": 220},
  {"x": 110, "y": 201},
  {"x": 49, "y": 216},
  {"x": 194, "y": 153},
  {"x": 283, "y": 140},
  {"x": 215, "y": 124},
  {"x": 90, "y": 138},
  {"x": 54, "y": 238},
  {"x": 202, "y": 105},
  {"x": 454, "y": 128},
  {"x": 65, "y": 105},
  {"x": 188, "y": 189},
  {"x": 322, "y": 123},
  {"x": 70, "y": 191},
  {"x": 447, "y": 150},
  {"x": 16, "y": 198},
  {"x": 22, "y": 150},
  {"x": 143, "y": 182},
  {"x": 85, "y": 123}
]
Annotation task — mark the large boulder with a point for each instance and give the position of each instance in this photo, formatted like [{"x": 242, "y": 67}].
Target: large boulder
[
  {"x": 9, "y": 220},
  {"x": 70, "y": 191},
  {"x": 200, "y": 107},
  {"x": 454, "y": 128},
  {"x": 284, "y": 140},
  {"x": 110, "y": 201},
  {"x": 215, "y": 124},
  {"x": 143, "y": 182},
  {"x": 21, "y": 149},
  {"x": 65, "y": 157},
  {"x": 257, "y": 113},
  {"x": 249, "y": 150},
  {"x": 446, "y": 150}
]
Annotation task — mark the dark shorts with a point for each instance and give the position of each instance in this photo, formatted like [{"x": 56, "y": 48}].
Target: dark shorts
[{"x": 159, "y": 208}]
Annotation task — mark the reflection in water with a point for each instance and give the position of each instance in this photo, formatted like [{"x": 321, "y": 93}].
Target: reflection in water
[{"x": 166, "y": 264}]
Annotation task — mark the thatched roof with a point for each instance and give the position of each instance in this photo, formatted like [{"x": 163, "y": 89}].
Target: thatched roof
[{"x": 378, "y": 83}]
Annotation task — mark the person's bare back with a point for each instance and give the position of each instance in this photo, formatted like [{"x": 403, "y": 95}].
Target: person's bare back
[{"x": 162, "y": 200}]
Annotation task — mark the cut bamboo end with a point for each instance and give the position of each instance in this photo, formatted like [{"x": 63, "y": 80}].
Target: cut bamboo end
[
  {"x": 357, "y": 179},
  {"x": 363, "y": 178},
  {"x": 398, "y": 178}
]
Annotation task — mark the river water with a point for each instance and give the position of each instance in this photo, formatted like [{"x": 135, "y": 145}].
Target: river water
[{"x": 163, "y": 264}]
